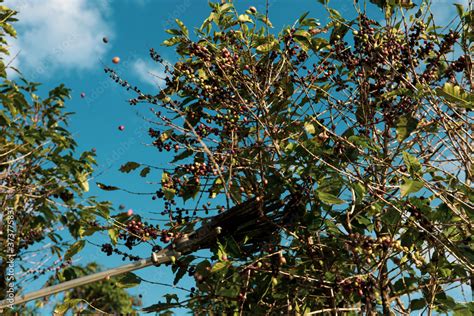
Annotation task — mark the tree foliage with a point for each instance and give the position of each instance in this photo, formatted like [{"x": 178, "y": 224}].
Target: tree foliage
[
  {"x": 108, "y": 296},
  {"x": 43, "y": 185}
]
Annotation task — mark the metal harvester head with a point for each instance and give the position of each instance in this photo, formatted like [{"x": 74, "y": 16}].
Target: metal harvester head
[{"x": 255, "y": 220}]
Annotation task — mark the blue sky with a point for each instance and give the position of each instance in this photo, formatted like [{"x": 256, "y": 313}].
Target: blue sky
[{"x": 60, "y": 41}]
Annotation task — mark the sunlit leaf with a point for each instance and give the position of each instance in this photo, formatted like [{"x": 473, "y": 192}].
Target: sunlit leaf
[
  {"x": 412, "y": 164},
  {"x": 330, "y": 199},
  {"x": 75, "y": 248},
  {"x": 456, "y": 95},
  {"x": 61, "y": 309},
  {"x": 107, "y": 187},
  {"x": 243, "y": 18},
  {"x": 410, "y": 186},
  {"x": 183, "y": 28}
]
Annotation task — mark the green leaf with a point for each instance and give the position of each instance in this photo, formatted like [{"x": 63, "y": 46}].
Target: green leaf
[
  {"x": 302, "y": 33},
  {"x": 364, "y": 220},
  {"x": 309, "y": 128},
  {"x": 179, "y": 275},
  {"x": 405, "y": 283},
  {"x": 329, "y": 199},
  {"x": 339, "y": 31},
  {"x": 101, "y": 210},
  {"x": 185, "y": 154},
  {"x": 303, "y": 17},
  {"x": 216, "y": 187},
  {"x": 225, "y": 7},
  {"x": 206, "y": 25},
  {"x": 417, "y": 304},
  {"x": 202, "y": 74},
  {"x": 362, "y": 141},
  {"x": 129, "y": 166},
  {"x": 455, "y": 94},
  {"x": 398, "y": 92},
  {"x": 83, "y": 181},
  {"x": 75, "y": 248},
  {"x": 220, "y": 266},
  {"x": 459, "y": 9},
  {"x": 106, "y": 187},
  {"x": 232, "y": 247},
  {"x": 67, "y": 305},
  {"x": 160, "y": 307},
  {"x": 174, "y": 32},
  {"x": 230, "y": 292},
  {"x": 412, "y": 164},
  {"x": 9, "y": 29},
  {"x": 410, "y": 186},
  {"x": 391, "y": 216},
  {"x": 267, "y": 47},
  {"x": 172, "y": 41},
  {"x": 244, "y": 18},
  {"x": 265, "y": 20},
  {"x": 145, "y": 171},
  {"x": 4, "y": 119},
  {"x": 170, "y": 297},
  {"x": 189, "y": 191},
  {"x": 113, "y": 234},
  {"x": 405, "y": 126},
  {"x": 359, "y": 190},
  {"x": 464, "y": 309},
  {"x": 169, "y": 193},
  {"x": 127, "y": 280},
  {"x": 183, "y": 28},
  {"x": 165, "y": 135}
]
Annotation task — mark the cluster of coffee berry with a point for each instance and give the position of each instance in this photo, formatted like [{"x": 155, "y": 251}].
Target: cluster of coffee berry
[
  {"x": 461, "y": 64},
  {"x": 370, "y": 247},
  {"x": 294, "y": 52},
  {"x": 203, "y": 130},
  {"x": 378, "y": 56},
  {"x": 166, "y": 236},
  {"x": 231, "y": 121},
  {"x": 155, "y": 56},
  {"x": 197, "y": 169},
  {"x": 124, "y": 83},
  {"x": 163, "y": 145},
  {"x": 167, "y": 209},
  {"x": 228, "y": 60},
  {"x": 136, "y": 232},
  {"x": 109, "y": 249},
  {"x": 179, "y": 218},
  {"x": 363, "y": 286},
  {"x": 200, "y": 51},
  {"x": 431, "y": 73},
  {"x": 29, "y": 237}
]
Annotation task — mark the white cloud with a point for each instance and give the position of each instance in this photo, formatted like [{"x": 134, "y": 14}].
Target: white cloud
[
  {"x": 59, "y": 35},
  {"x": 149, "y": 72}
]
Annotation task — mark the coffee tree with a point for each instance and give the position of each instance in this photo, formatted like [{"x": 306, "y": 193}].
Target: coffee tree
[{"x": 362, "y": 128}]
